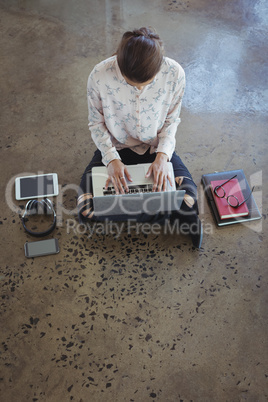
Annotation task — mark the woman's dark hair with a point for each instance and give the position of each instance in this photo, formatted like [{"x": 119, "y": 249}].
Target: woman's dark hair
[{"x": 140, "y": 54}]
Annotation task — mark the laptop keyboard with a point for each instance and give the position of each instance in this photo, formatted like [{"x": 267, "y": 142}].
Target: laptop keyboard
[{"x": 140, "y": 188}]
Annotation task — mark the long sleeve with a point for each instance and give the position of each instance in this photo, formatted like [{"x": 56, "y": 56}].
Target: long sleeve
[
  {"x": 97, "y": 126},
  {"x": 167, "y": 135}
]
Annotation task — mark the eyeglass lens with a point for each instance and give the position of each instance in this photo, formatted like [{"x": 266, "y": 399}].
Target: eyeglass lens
[{"x": 233, "y": 201}]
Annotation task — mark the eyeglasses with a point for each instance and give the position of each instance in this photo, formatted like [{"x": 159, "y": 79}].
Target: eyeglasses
[{"x": 232, "y": 200}]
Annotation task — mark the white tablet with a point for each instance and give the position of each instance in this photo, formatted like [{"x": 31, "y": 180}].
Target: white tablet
[{"x": 42, "y": 185}]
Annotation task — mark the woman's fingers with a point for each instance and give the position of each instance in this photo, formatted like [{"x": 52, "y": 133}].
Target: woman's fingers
[
  {"x": 164, "y": 184},
  {"x": 120, "y": 176},
  {"x": 160, "y": 181},
  {"x": 107, "y": 182},
  {"x": 127, "y": 174},
  {"x": 160, "y": 171},
  {"x": 121, "y": 183},
  {"x": 124, "y": 183},
  {"x": 116, "y": 172}
]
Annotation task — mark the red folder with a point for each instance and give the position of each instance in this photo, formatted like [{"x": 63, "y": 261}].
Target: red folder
[{"x": 224, "y": 209}]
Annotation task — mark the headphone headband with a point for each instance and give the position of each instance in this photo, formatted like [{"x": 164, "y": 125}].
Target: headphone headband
[{"x": 34, "y": 207}]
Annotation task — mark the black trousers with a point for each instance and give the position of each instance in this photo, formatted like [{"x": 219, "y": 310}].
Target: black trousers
[{"x": 129, "y": 157}]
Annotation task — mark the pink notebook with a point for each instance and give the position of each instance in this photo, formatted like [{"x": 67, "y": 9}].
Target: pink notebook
[{"x": 224, "y": 209}]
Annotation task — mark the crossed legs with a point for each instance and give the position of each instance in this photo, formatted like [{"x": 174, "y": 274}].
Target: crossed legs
[{"x": 189, "y": 208}]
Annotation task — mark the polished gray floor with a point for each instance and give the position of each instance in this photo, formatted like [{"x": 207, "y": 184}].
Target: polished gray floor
[{"x": 135, "y": 316}]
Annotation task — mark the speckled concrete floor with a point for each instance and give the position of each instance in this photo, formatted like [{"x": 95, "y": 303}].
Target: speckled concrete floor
[{"x": 140, "y": 316}]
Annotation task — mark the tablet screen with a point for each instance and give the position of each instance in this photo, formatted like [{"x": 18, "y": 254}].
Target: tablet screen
[{"x": 36, "y": 186}]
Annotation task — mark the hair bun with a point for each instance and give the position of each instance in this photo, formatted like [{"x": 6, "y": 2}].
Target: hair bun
[
  {"x": 145, "y": 32},
  {"x": 138, "y": 33}
]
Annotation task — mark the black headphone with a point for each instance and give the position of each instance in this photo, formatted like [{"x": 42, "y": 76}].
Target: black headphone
[{"x": 34, "y": 207}]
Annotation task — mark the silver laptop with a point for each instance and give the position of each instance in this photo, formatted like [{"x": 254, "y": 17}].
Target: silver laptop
[{"x": 139, "y": 199}]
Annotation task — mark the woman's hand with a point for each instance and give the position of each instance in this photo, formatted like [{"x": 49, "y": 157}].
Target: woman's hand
[
  {"x": 118, "y": 173},
  {"x": 159, "y": 169}
]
